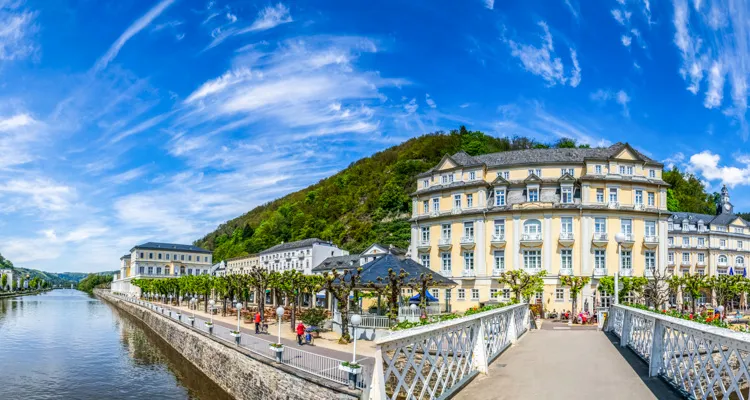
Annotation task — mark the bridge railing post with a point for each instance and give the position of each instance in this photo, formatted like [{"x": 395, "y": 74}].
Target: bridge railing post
[
  {"x": 512, "y": 333},
  {"x": 626, "y": 326},
  {"x": 656, "y": 358},
  {"x": 377, "y": 384},
  {"x": 479, "y": 359}
]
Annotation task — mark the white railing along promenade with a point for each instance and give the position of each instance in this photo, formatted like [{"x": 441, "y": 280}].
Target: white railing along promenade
[
  {"x": 701, "y": 361},
  {"x": 433, "y": 361},
  {"x": 312, "y": 363}
]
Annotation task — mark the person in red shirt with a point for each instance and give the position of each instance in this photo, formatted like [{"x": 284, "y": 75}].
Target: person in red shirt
[
  {"x": 257, "y": 322},
  {"x": 300, "y": 333}
]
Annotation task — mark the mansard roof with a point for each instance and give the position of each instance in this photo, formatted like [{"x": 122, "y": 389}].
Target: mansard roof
[{"x": 170, "y": 246}]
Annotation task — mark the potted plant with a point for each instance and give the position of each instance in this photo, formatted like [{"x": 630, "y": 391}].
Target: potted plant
[
  {"x": 277, "y": 347},
  {"x": 350, "y": 367},
  {"x": 209, "y": 324}
]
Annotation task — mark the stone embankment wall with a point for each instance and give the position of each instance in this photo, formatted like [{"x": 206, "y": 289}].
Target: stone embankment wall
[
  {"x": 240, "y": 373},
  {"x": 4, "y": 295}
]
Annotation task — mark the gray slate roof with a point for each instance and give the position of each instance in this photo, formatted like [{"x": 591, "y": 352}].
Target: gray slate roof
[
  {"x": 380, "y": 266},
  {"x": 338, "y": 262},
  {"x": 170, "y": 246},
  {"x": 693, "y": 218},
  {"x": 294, "y": 245}
]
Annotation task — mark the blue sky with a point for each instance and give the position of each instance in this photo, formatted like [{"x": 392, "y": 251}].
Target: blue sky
[{"x": 128, "y": 121}]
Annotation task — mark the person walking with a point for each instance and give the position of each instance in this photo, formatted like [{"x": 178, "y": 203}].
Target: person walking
[
  {"x": 257, "y": 322},
  {"x": 300, "y": 333}
]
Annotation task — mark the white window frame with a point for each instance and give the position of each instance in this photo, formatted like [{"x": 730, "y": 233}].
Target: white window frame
[
  {"x": 474, "y": 294},
  {"x": 600, "y": 195},
  {"x": 566, "y": 194},
  {"x": 499, "y": 197},
  {"x": 559, "y": 295}
]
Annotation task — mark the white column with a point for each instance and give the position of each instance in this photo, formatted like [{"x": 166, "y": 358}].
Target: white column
[
  {"x": 662, "y": 248},
  {"x": 585, "y": 193},
  {"x": 548, "y": 243},
  {"x": 516, "y": 242},
  {"x": 413, "y": 245},
  {"x": 481, "y": 247},
  {"x": 585, "y": 241}
]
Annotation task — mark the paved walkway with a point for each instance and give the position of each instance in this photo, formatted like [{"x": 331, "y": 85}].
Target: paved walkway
[{"x": 567, "y": 364}]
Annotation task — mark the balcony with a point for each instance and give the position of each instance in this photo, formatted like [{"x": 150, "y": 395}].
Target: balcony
[
  {"x": 423, "y": 245},
  {"x": 498, "y": 240},
  {"x": 600, "y": 239},
  {"x": 468, "y": 274},
  {"x": 650, "y": 241},
  {"x": 498, "y": 271},
  {"x": 301, "y": 254},
  {"x": 467, "y": 242},
  {"x": 626, "y": 272},
  {"x": 649, "y": 273},
  {"x": 531, "y": 239},
  {"x": 685, "y": 264},
  {"x": 446, "y": 272},
  {"x": 629, "y": 239},
  {"x": 445, "y": 243},
  {"x": 613, "y": 205},
  {"x": 456, "y": 210},
  {"x": 566, "y": 271},
  {"x": 566, "y": 238},
  {"x": 670, "y": 263},
  {"x": 532, "y": 271},
  {"x": 434, "y": 213},
  {"x": 722, "y": 264},
  {"x": 599, "y": 272}
]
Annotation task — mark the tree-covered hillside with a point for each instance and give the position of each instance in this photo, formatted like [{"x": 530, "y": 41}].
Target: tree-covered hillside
[
  {"x": 366, "y": 202},
  {"x": 369, "y": 200}
]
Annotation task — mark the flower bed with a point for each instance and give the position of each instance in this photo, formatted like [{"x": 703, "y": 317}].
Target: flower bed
[
  {"x": 705, "y": 317},
  {"x": 445, "y": 317}
]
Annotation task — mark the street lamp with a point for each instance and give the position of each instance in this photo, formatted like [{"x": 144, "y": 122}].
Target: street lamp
[
  {"x": 619, "y": 238},
  {"x": 279, "y": 313},
  {"x": 239, "y": 312},
  {"x": 355, "y": 320},
  {"x": 211, "y": 310}
]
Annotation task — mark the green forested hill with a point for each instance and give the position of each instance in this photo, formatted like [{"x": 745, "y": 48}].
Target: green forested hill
[{"x": 369, "y": 200}]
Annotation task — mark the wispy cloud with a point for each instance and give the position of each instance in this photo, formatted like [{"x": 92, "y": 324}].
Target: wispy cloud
[
  {"x": 490, "y": 4},
  {"x": 712, "y": 39},
  {"x": 430, "y": 102},
  {"x": 707, "y": 165},
  {"x": 620, "y": 97},
  {"x": 269, "y": 17},
  {"x": 132, "y": 30},
  {"x": 574, "y": 9},
  {"x": 17, "y": 28},
  {"x": 544, "y": 62}
]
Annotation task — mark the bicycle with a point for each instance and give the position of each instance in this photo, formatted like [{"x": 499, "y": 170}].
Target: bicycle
[{"x": 309, "y": 339}]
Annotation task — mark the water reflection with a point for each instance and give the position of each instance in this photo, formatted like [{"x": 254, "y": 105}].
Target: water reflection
[{"x": 65, "y": 344}]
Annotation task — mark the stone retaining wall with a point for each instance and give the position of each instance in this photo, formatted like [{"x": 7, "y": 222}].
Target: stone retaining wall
[{"x": 239, "y": 372}]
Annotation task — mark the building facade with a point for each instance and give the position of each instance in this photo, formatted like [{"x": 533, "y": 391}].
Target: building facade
[
  {"x": 552, "y": 210},
  {"x": 242, "y": 265},
  {"x": 160, "y": 260},
  {"x": 302, "y": 255},
  {"x": 8, "y": 273},
  {"x": 706, "y": 244}
]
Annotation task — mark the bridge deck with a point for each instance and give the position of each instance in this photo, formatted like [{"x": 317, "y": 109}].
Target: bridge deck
[{"x": 560, "y": 363}]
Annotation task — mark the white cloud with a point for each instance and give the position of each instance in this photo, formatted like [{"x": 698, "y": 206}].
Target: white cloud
[
  {"x": 674, "y": 160},
  {"x": 132, "y": 30},
  {"x": 489, "y": 4},
  {"x": 543, "y": 61},
  {"x": 573, "y": 8},
  {"x": 715, "y": 49},
  {"x": 39, "y": 194},
  {"x": 16, "y": 30},
  {"x": 269, "y": 17},
  {"x": 411, "y": 107},
  {"x": 626, "y": 40},
  {"x": 707, "y": 165},
  {"x": 430, "y": 102},
  {"x": 620, "y": 97}
]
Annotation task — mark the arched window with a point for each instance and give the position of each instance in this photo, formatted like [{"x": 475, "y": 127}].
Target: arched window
[
  {"x": 723, "y": 259},
  {"x": 532, "y": 226},
  {"x": 739, "y": 260}
]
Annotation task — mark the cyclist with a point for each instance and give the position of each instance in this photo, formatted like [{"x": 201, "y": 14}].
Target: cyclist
[
  {"x": 300, "y": 333},
  {"x": 257, "y": 322}
]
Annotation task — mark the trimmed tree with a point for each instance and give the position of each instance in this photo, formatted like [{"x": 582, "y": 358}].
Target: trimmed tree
[
  {"x": 522, "y": 284},
  {"x": 694, "y": 285},
  {"x": 576, "y": 284},
  {"x": 340, "y": 284},
  {"x": 290, "y": 284},
  {"x": 259, "y": 281}
]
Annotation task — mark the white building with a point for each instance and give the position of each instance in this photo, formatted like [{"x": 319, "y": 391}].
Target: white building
[
  {"x": 160, "y": 260},
  {"x": 8, "y": 280},
  {"x": 302, "y": 255}
]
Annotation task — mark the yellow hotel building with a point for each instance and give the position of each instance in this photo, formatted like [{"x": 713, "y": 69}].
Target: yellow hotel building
[{"x": 556, "y": 210}]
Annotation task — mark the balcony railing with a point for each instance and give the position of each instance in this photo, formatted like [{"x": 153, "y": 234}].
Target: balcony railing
[
  {"x": 456, "y": 210},
  {"x": 600, "y": 237},
  {"x": 613, "y": 205},
  {"x": 498, "y": 271},
  {"x": 566, "y": 271},
  {"x": 649, "y": 272},
  {"x": 670, "y": 262},
  {"x": 626, "y": 272},
  {"x": 469, "y": 273},
  {"x": 685, "y": 263},
  {"x": 531, "y": 237},
  {"x": 566, "y": 236},
  {"x": 498, "y": 237},
  {"x": 446, "y": 272},
  {"x": 629, "y": 237},
  {"x": 467, "y": 240},
  {"x": 651, "y": 239},
  {"x": 533, "y": 270},
  {"x": 423, "y": 245},
  {"x": 600, "y": 272},
  {"x": 444, "y": 242}
]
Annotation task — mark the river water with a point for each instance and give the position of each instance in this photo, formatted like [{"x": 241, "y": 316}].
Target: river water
[{"x": 65, "y": 344}]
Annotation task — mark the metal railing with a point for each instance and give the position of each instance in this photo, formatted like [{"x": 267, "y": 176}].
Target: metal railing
[
  {"x": 566, "y": 236},
  {"x": 702, "y": 361},
  {"x": 600, "y": 236},
  {"x": 432, "y": 361},
  {"x": 312, "y": 363},
  {"x": 531, "y": 237},
  {"x": 375, "y": 322}
]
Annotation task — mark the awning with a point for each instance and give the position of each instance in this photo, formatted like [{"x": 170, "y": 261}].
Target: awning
[{"x": 417, "y": 298}]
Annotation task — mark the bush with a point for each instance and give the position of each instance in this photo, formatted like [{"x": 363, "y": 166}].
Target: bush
[{"x": 314, "y": 316}]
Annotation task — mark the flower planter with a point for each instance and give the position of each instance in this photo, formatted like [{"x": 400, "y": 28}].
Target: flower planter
[
  {"x": 209, "y": 325},
  {"x": 235, "y": 334},
  {"x": 278, "y": 349},
  {"x": 351, "y": 370}
]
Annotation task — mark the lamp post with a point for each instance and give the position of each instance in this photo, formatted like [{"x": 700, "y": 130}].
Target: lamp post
[
  {"x": 355, "y": 320},
  {"x": 279, "y": 351},
  {"x": 619, "y": 238},
  {"x": 192, "y": 318},
  {"x": 239, "y": 312}
]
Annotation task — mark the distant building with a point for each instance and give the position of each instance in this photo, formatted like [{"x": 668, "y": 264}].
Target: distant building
[
  {"x": 160, "y": 260},
  {"x": 242, "y": 265},
  {"x": 219, "y": 269},
  {"x": 9, "y": 278},
  {"x": 372, "y": 253},
  {"x": 302, "y": 255}
]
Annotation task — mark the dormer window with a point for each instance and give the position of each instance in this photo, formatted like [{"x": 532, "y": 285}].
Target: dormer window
[
  {"x": 684, "y": 225},
  {"x": 564, "y": 171},
  {"x": 426, "y": 183},
  {"x": 598, "y": 169},
  {"x": 426, "y": 207},
  {"x": 444, "y": 179},
  {"x": 622, "y": 170},
  {"x": 566, "y": 194},
  {"x": 450, "y": 178},
  {"x": 472, "y": 175},
  {"x": 533, "y": 194},
  {"x": 500, "y": 197},
  {"x": 652, "y": 173}
]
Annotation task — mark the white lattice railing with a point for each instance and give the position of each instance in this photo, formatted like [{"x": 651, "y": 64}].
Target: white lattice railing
[
  {"x": 433, "y": 361},
  {"x": 702, "y": 361}
]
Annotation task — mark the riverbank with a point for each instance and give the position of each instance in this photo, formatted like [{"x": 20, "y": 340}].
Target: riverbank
[
  {"x": 18, "y": 294},
  {"x": 238, "y": 371}
]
